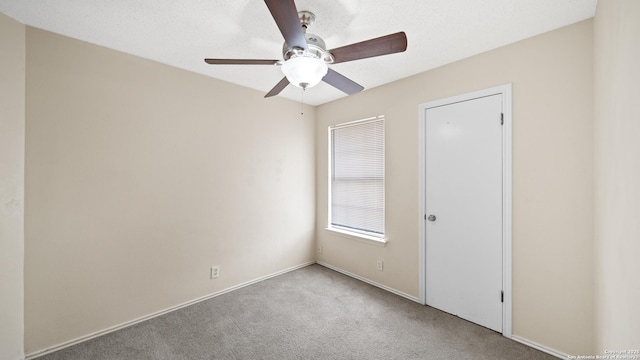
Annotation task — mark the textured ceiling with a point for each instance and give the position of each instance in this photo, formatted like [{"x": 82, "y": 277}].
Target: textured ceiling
[{"x": 183, "y": 33}]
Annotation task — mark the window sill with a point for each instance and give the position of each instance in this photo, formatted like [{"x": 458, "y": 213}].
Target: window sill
[{"x": 359, "y": 237}]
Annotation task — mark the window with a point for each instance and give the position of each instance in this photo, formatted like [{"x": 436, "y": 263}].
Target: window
[{"x": 356, "y": 167}]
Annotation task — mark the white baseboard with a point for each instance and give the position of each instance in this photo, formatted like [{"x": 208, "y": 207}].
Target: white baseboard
[
  {"x": 81, "y": 339},
  {"x": 370, "y": 282},
  {"x": 542, "y": 348}
]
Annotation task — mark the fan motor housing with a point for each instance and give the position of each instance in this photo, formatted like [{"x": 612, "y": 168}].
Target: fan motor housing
[
  {"x": 315, "y": 45},
  {"x": 315, "y": 48}
]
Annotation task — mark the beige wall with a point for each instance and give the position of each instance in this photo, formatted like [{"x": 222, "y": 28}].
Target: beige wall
[
  {"x": 552, "y": 179},
  {"x": 130, "y": 196},
  {"x": 140, "y": 176},
  {"x": 617, "y": 75},
  {"x": 12, "y": 124}
]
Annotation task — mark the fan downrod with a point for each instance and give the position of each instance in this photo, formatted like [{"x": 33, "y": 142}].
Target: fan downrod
[{"x": 307, "y": 18}]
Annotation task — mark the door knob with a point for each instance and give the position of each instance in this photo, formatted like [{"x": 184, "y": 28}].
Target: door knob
[{"x": 431, "y": 218}]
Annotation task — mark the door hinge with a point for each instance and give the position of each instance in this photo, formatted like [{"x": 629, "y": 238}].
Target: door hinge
[
  {"x": 501, "y": 118},
  {"x": 425, "y": 216},
  {"x": 501, "y": 296}
]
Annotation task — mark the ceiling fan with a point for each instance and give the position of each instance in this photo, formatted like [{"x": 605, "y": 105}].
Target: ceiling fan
[{"x": 305, "y": 57}]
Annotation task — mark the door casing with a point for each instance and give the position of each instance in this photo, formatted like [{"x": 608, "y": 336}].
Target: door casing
[{"x": 506, "y": 92}]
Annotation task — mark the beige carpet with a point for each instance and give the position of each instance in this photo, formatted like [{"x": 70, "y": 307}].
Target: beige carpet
[{"x": 310, "y": 313}]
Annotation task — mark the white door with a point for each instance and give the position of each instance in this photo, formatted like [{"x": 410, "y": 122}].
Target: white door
[{"x": 464, "y": 205}]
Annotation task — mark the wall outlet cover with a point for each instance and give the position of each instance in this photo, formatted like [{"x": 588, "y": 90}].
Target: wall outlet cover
[{"x": 215, "y": 271}]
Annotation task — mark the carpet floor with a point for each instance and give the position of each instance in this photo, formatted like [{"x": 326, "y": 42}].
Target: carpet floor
[{"x": 309, "y": 313}]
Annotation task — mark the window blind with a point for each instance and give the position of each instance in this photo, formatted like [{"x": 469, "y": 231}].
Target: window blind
[{"x": 357, "y": 176}]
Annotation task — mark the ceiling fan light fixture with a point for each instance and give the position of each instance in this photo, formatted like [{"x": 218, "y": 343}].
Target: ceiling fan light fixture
[
  {"x": 304, "y": 71},
  {"x": 305, "y": 58}
]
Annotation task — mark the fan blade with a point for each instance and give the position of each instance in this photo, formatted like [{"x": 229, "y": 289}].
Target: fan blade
[
  {"x": 388, "y": 44},
  {"x": 341, "y": 82},
  {"x": 285, "y": 14},
  {"x": 240, "y": 62},
  {"x": 279, "y": 87}
]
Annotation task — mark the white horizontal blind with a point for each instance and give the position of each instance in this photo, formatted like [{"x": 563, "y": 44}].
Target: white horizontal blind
[{"x": 357, "y": 176}]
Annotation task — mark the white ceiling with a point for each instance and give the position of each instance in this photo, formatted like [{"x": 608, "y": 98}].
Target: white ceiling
[{"x": 182, "y": 33}]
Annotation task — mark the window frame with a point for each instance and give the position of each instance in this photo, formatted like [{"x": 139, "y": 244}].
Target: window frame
[{"x": 346, "y": 232}]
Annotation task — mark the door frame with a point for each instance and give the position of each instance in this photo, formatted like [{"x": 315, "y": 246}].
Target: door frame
[{"x": 506, "y": 92}]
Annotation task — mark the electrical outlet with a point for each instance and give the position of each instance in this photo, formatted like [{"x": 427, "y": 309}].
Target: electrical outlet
[
  {"x": 379, "y": 265},
  {"x": 215, "y": 271}
]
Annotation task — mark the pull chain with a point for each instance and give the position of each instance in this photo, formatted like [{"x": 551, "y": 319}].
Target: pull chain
[{"x": 302, "y": 102}]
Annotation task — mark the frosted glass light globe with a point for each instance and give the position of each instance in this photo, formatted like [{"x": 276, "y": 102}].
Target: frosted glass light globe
[{"x": 304, "y": 71}]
